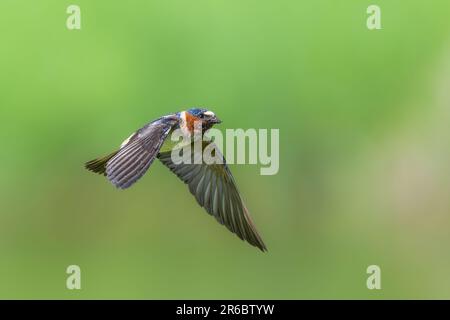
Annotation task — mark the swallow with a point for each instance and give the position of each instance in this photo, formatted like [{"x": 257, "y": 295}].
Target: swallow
[{"x": 212, "y": 185}]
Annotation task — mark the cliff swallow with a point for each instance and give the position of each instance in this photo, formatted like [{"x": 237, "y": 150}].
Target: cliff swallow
[{"x": 212, "y": 185}]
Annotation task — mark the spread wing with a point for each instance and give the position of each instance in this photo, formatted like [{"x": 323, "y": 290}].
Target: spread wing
[
  {"x": 214, "y": 188},
  {"x": 138, "y": 152}
]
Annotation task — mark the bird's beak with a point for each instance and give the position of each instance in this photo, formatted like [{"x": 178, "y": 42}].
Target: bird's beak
[{"x": 215, "y": 120}]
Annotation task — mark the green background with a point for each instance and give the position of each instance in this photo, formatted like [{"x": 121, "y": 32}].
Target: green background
[{"x": 364, "y": 147}]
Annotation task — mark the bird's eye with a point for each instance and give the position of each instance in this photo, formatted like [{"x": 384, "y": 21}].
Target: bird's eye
[{"x": 201, "y": 116}]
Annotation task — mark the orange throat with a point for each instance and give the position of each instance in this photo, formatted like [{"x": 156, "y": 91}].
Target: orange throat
[{"x": 188, "y": 123}]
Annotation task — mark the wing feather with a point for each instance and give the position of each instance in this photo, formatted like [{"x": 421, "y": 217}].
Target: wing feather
[
  {"x": 138, "y": 153},
  {"x": 214, "y": 188}
]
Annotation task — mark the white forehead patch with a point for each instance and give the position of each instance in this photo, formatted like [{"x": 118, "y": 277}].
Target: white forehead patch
[{"x": 209, "y": 113}]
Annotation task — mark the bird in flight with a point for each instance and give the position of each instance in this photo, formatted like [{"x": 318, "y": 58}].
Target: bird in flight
[{"x": 212, "y": 184}]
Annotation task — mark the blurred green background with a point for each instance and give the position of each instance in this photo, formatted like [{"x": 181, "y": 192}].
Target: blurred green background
[{"x": 364, "y": 153}]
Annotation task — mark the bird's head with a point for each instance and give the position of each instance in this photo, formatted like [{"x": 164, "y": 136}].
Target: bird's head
[{"x": 205, "y": 116}]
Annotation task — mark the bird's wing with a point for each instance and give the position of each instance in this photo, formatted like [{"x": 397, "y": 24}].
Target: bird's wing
[
  {"x": 214, "y": 188},
  {"x": 138, "y": 152}
]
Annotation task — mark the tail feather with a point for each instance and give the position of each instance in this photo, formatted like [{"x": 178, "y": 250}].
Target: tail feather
[{"x": 99, "y": 165}]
